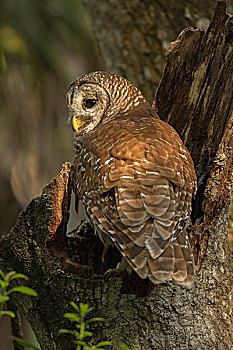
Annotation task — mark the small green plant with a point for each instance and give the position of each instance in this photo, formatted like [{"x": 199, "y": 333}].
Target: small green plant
[
  {"x": 5, "y": 285},
  {"x": 6, "y": 290},
  {"x": 81, "y": 327}
]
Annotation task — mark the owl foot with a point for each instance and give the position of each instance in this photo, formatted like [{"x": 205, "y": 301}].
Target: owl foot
[
  {"x": 121, "y": 270},
  {"x": 124, "y": 266}
]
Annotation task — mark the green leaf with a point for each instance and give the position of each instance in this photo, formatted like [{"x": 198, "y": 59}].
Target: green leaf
[
  {"x": 24, "y": 290},
  {"x": 4, "y": 284},
  {"x": 63, "y": 331},
  {"x": 87, "y": 334},
  {"x": 95, "y": 319},
  {"x": 18, "y": 275},
  {"x": 3, "y": 298},
  {"x": 84, "y": 309},
  {"x": 9, "y": 274},
  {"x": 24, "y": 343},
  {"x": 75, "y": 306},
  {"x": 87, "y": 347},
  {"x": 123, "y": 346},
  {"x": 2, "y": 274},
  {"x": 103, "y": 343},
  {"x": 9, "y": 313},
  {"x": 80, "y": 342},
  {"x": 72, "y": 316}
]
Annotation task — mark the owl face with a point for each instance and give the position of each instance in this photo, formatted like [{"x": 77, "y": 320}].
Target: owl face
[
  {"x": 99, "y": 96},
  {"x": 87, "y": 104}
]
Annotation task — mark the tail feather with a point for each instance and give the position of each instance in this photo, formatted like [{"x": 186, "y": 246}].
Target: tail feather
[{"x": 176, "y": 263}]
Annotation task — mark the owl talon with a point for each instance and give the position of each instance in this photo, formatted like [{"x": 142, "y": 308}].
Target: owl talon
[
  {"x": 124, "y": 266},
  {"x": 121, "y": 269},
  {"x": 114, "y": 273}
]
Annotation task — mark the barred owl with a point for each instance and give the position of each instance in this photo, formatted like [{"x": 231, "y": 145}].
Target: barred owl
[{"x": 134, "y": 176}]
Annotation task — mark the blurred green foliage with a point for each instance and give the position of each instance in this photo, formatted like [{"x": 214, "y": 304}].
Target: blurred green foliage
[
  {"x": 44, "y": 45},
  {"x": 44, "y": 34},
  {"x": 5, "y": 284},
  {"x": 6, "y": 289}
]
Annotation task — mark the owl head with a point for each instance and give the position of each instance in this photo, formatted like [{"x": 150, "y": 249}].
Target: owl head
[{"x": 98, "y": 97}]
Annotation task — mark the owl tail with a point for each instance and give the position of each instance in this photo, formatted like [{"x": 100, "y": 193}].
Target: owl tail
[{"x": 176, "y": 263}]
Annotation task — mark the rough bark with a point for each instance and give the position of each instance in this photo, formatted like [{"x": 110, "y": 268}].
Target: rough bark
[
  {"x": 133, "y": 36},
  {"x": 195, "y": 96}
]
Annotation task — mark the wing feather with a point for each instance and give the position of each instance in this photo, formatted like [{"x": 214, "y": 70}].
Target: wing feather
[{"x": 151, "y": 179}]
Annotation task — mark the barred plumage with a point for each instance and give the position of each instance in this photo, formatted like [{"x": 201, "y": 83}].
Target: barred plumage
[{"x": 134, "y": 176}]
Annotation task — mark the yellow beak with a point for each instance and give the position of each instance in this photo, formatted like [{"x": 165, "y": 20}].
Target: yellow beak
[{"x": 76, "y": 123}]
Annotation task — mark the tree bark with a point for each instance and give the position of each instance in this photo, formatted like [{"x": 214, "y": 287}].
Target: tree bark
[
  {"x": 133, "y": 36},
  {"x": 195, "y": 96}
]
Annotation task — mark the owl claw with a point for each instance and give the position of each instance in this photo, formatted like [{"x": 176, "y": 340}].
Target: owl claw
[
  {"x": 123, "y": 265},
  {"x": 114, "y": 273},
  {"x": 121, "y": 269}
]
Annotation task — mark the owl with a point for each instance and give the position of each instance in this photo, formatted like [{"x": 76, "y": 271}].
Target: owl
[{"x": 134, "y": 176}]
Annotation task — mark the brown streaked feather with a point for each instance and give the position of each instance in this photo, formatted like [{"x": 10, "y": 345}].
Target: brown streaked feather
[{"x": 136, "y": 179}]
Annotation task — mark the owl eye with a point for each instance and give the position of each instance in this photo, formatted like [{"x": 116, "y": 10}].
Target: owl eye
[{"x": 89, "y": 103}]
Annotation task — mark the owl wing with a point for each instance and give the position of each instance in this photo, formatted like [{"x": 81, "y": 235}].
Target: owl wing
[{"x": 145, "y": 204}]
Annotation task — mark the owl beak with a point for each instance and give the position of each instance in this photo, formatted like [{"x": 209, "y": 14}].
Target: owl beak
[{"x": 76, "y": 123}]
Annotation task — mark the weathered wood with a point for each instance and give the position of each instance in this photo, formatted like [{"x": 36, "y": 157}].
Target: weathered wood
[
  {"x": 195, "y": 95},
  {"x": 24, "y": 250}
]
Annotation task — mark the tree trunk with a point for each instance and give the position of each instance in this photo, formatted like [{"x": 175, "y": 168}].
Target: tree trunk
[
  {"x": 195, "y": 96},
  {"x": 133, "y": 36}
]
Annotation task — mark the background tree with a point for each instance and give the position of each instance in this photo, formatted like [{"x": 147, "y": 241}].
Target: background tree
[
  {"x": 198, "y": 76},
  {"x": 43, "y": 47}
]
